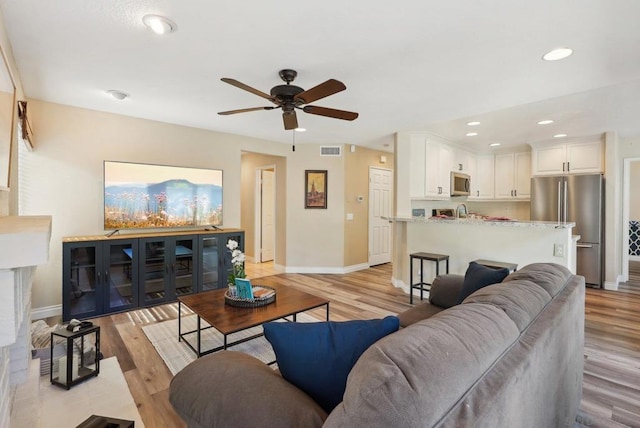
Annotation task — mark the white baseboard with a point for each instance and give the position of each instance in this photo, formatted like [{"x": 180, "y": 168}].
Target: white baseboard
[
  {"x": 280, "y": 268},
  {"x": 46, "y": 312},
  {"x": 328, "y": 270}
]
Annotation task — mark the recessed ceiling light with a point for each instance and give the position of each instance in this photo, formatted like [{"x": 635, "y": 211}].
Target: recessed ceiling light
[
  {"x": 472, "y": 134},
  {"x": 545, "y": 122},
  {"x": 300, "y": 129},
  {"x": 559, "y": 135},
  {"x": 159, "y": 24},
  {"x": 494, "y": 144},
  {"x": 118, "y": 95},
  {"x": 474, "y": 123},
  {"x": 557, "y": 54}
]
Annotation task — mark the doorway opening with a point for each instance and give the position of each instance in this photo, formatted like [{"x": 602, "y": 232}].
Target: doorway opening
[
  {"x": 265, "y": 214},
  {"x": 631, "y": 220}
]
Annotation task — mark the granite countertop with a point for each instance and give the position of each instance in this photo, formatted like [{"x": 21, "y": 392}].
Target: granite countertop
[{"x": 485, "y": 222}]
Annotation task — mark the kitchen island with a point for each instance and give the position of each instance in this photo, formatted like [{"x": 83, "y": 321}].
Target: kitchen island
[{"x": 465, "y": 240}]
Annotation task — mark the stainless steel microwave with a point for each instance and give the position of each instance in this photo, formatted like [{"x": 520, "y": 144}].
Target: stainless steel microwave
[{"x": 460, "y": 184}]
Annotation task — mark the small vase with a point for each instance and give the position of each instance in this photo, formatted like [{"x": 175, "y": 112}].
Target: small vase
[{"x": 232, "y": 290}]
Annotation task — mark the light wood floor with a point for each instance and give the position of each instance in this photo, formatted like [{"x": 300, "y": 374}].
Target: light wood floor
[{"x": 611, "y": 396}]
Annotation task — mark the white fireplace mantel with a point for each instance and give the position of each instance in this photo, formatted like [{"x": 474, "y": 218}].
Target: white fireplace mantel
[{"x": 24, "y": 244}]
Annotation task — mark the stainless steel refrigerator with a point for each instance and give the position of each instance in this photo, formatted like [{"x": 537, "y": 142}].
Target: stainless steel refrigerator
[{"x": 579, "y": 199}]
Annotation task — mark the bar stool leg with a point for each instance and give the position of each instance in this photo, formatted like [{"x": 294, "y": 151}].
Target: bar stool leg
[
  {"x": 411, "y": 280},
  {"x": 421, "y": 279},
  {"x": 447, "y": 265}
]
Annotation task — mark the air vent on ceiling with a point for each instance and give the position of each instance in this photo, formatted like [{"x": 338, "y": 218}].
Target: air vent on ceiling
[{"x": 330, "y": 151}]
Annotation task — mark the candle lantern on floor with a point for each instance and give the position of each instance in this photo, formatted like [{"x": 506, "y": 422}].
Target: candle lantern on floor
[{"x": 82, "y": 358}]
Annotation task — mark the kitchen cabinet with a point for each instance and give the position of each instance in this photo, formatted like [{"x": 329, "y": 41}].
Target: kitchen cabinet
[
  {"x": 109, "y": 274},
  {"x": 430, "y": 168},
  {"x": 513, "y": 176},
  {"x": 464, "y": 161},
  {"x": 568, "y": 158},
  {"x": 483, "y": 178}
]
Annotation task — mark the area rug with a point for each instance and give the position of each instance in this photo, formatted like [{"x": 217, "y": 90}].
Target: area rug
[
  {"x": 176, "y": 355},
  {"x": 107, "y": 395}
]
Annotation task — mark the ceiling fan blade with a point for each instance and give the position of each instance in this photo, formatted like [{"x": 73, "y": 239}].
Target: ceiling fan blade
[
  {"x": 244, "y": 110},
  {"x": 248, "y": 88},
  {"x": 325, "y": 89},
  {"x": 290, "y": 120},
  {"x": 330, "y": 112}
]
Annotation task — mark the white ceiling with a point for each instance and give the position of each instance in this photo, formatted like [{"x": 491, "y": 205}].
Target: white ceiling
[{"x": 414, "y": 65}]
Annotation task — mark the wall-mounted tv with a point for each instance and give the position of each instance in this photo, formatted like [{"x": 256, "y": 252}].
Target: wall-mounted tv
[{"x": 142, "y": 196}]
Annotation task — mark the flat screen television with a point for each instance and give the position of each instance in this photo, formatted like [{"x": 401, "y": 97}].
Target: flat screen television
[{"x": 144, "y": 196}]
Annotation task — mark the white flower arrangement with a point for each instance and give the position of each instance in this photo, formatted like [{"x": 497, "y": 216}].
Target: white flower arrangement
[{"x": 237, "y": 260}]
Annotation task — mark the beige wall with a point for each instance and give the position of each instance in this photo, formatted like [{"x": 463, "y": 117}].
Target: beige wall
[
  {"x": 250, "y": 163},
  {"x": 62, "y": 177},
  {"x": 356, "y": 183},
  {"x": 314, "y": 228}
]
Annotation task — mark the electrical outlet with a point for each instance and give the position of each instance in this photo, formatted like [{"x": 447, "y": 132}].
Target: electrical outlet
[{"x": 558, "y": 250}]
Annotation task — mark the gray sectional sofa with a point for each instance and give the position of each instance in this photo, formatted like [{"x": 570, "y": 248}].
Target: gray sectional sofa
[{"x": 511, "y": 355}]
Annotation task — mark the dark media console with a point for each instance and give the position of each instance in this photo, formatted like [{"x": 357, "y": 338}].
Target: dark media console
[{"x": 106, "y": 274}]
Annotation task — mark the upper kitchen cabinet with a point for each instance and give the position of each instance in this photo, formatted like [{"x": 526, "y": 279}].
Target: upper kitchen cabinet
[
  {"x": 430, "y": 168},
  {"x": 482, "y": 178},
  {"x": 568, "y": 158},
  {"x": 513, "y": 176},
  {"x": 464, "y": 161}
]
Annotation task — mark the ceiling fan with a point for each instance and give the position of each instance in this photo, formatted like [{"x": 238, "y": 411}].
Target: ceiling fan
[{"x": 289, "y": 97}]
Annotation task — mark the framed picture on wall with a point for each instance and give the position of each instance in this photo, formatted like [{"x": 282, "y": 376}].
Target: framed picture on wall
[{"x": 315, "y": 189}]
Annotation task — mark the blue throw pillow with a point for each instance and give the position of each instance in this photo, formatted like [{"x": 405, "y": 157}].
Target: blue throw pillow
[
  {"x": 478, "y": 276},
  {"x": 317, "y": 357}
]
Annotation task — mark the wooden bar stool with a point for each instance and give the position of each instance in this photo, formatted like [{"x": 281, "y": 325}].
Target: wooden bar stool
[
  {"x": 431, "y": 257},
  {"x": 498, "y": 265}
]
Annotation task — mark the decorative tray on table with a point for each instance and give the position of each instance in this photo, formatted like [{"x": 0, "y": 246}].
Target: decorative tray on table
[{"x": 263, "y": 295}]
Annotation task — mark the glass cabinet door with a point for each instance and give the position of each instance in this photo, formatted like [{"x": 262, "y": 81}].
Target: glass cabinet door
[
  {"x": 210, "y": 265},
  {"x": 182, "y": 267},
  {"x": 154, "y": 269},
  {"x": 122, "y": 277},
  {"x": 81, "y": 281}
]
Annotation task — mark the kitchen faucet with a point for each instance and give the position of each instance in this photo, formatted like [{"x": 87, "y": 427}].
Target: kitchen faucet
[{"x": 465, "y": 212}]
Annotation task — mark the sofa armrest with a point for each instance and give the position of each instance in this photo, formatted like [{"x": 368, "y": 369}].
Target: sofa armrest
[
  {"x": 232, "y": 389},
  {"x": 445, "y": 290}
]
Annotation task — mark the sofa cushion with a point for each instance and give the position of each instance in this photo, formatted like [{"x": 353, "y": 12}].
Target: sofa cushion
[
  {"x": 413, "y": 377},
  {"x": 418, "y": 313},
  {"x": 317, "y": 357},
  {"x": 550, "y": 276},
  {"x": 522, "y": 301},
  {"x": 445, "y": 290},
  {"x": 479, "y": 276},
  {"x": 231, "y": 389}
]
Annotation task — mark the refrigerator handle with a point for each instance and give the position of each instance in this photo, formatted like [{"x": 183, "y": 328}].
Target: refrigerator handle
[
  {"x": 559, "y": 200},
  {"x": 584, "y": 245},
  {"x": 564, "y": 216}
]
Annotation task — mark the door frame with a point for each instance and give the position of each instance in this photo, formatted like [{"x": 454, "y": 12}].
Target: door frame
[
  {"x": 257, "y": 241},
  {"x": 369, "y": 214},
  {"x": 626, "y": 194}
]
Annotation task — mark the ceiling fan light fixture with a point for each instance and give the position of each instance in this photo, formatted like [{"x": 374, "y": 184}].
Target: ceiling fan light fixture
[
  {"x": 557, "y": 54},
  {"x": 159, "y": 24},
  {"x": 118, "y": 95},
  {"x": 545, "y": 122}
]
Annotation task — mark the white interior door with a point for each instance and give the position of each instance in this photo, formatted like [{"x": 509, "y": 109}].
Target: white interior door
[
  {"x": 380, "y": 197},
  {"x": 267, "y": 215}
]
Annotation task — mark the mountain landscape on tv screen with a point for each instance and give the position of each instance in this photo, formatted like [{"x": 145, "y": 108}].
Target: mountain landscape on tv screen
[{"x": 171, "y": 203}]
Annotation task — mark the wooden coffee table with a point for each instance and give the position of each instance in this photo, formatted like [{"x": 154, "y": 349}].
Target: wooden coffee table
[{"x": 210, "y": 307}]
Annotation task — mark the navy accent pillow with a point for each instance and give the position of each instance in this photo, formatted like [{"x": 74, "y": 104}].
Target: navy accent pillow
[
  {"x": 317, "y": 357},
  {"x": 478, "y": 276}
]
